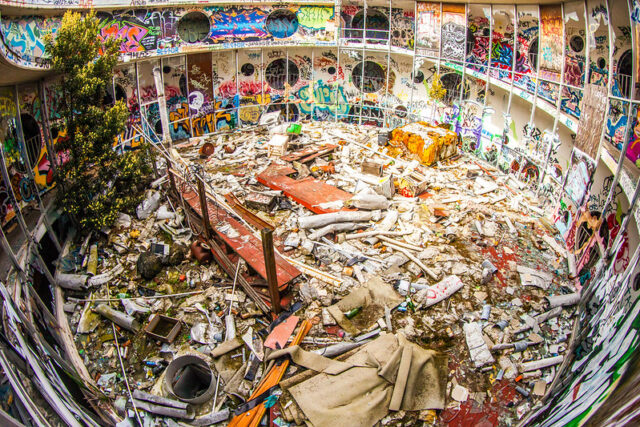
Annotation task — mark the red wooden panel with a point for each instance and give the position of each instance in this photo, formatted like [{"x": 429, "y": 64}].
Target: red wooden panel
[
  {"x": 309, "y": 192},
  {"x": 241, "y": 240}
]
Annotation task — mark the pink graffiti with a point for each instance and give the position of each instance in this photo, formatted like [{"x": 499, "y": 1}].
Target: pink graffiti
[
  {"x": 572, "y": 72},
  {"x": 130, "y": 36},
  {"x": 622, "y": 259},
  {"x": 148, "y": 93},
  {"x": 227, "y": 89},
  {"x": 247, "y": 88},
  {"x": 253, "y": 88},
  {"x": 481, "y": 48},
  {"x": 172, "y": 92}
]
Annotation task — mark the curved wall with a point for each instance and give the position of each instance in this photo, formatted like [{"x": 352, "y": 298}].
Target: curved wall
[{"x": 544, "y": 93}]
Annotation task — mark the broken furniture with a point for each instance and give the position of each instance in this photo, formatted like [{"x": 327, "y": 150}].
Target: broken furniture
[
  {"x": 311, "y": 193},
  {"x": 163, "y": 328}
]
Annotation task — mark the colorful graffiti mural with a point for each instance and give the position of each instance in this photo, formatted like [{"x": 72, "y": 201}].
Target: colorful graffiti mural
[
  {"x": 551, "y": 43},
  {"x": 323, "y": 102},
  {"x": 136, "y": 36},
  {"x": 25, "y": 36},
  {"x": 428, "y": 28},
  {"x": 612, "y": 336}
]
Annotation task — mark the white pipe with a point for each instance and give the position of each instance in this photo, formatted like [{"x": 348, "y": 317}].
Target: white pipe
[
  {"x": 75, "y": 282},
  {"x": 413, "y": 258},
  {"x": 321, "y": 220},
  {"x": 333, "y": 228},
  {"x": 119, "y": 318},
  {"x": 563, "y": 300},
  {"x": 540, "y": 364}
]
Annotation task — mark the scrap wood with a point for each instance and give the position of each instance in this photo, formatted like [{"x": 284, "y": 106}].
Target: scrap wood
[
  {"x": 315, "y": 273},
  {"x": 253, "y": 417},
  {"x": 280, "y": 334},
  {"x": 246, "y": 214},
  {"x": 310, "y": 153},
  {"x": 493, "y": 177},
  {"x": 311, "y": 193}
]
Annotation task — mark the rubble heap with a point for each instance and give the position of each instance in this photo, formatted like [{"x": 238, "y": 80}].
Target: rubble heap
[{"x": 408, "y": 292}]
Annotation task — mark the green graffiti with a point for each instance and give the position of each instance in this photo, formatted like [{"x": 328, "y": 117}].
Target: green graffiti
[
  {"x": 324, "y": 99},
  {"x": 314, "y": 17}
]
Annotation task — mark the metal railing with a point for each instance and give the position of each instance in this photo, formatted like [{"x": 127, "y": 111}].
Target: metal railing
[{"x": 624, "y": 83}]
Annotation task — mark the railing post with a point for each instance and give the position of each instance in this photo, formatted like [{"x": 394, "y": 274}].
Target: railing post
[
  {"x": 204, "y": 207},
  {"x": 270, "y": 267}
]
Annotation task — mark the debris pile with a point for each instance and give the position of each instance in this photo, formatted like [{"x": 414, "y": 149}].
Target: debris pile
[{"x": 406, "y": 293}]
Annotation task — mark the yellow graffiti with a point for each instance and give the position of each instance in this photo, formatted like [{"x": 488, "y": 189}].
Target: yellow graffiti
[{"x": 7, "y": 107}]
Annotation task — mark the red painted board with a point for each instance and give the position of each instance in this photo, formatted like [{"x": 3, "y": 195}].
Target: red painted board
[
  {"x": 309, "y": 192},
  {"x": 242, "y": 241},
  {"x": 278, "y": 338}
]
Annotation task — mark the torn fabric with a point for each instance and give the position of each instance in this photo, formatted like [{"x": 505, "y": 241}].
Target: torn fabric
[{"x": 389, "y": 373}]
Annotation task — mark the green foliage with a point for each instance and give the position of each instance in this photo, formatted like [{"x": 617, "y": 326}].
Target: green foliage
[{"x": 95, "y": 181}]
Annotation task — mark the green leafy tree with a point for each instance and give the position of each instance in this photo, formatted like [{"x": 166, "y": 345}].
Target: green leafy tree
[{"x": 96, "y": 182}]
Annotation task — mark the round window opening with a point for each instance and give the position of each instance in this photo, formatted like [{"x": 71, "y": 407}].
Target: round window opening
[
  {"x": 377, "y": 25},
  {"x": 576, "y": 43},
  {"x": 331, "y": 70},
  {"x": 602, "y": 63},
  {"x": 401, "y": 111},
  {"x": 282, "y": 23},
  {"x": 278, "y": 72},
  {"x": 247, "y": 69},
  {"x": 419, "y": 78},
  {"x": 371, "y": 80},
  {"x": 194, "y": 27}
]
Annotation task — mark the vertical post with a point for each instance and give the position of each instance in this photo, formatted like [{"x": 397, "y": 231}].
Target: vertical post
[
  {"x": 286, "y": 86},
  {"x": 172, "y": 181},
  {"x": 236, "y": 108},
  {"x": 270, "y": 267},
  {"x": 364, "y": 55},
  {"x": 414, "y": 69},
  {"x": 53, "y": 158},
  {"x": 204, "y": 207},
  {"x": 385, "y": 105},
  {"x": 162, "y": 106}
]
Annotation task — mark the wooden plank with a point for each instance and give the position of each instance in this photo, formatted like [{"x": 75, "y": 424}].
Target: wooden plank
[
  {"x": 309, "y": 192},
  {"x": 242, "y": 241}
]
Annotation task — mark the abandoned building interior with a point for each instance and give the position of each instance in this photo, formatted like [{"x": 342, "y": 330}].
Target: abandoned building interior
[{"x": 362, "y": 213}]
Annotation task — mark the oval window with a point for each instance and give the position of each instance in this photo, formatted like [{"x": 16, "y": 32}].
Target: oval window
[
  {"x": 194, "y": 27},
  {"x": 368, "y": 76},
  {"x": 282, "y": 23},
  {"x": 277, "y": 73}
]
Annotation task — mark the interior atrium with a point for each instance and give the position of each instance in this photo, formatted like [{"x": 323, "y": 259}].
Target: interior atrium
[{"x": 356, "y": 213}]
